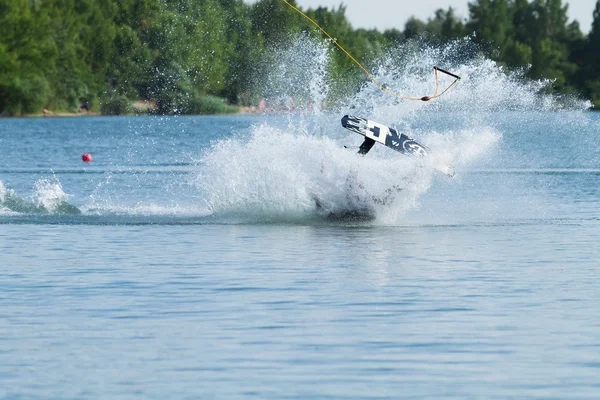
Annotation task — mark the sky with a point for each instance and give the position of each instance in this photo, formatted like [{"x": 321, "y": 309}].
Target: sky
[{"x": 386, "y": 14}]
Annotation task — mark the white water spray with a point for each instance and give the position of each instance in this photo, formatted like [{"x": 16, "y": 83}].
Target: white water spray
[{"x": 293, "y": 170}]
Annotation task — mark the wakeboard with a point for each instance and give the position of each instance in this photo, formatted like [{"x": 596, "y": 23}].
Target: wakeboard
[{"x": 376, "y": 132}]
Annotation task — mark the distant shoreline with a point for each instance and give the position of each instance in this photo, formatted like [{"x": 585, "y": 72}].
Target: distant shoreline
[{"x": 242, "y": 111}]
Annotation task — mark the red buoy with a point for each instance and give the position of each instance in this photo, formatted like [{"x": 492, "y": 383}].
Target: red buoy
[
  {"x": 86, "y": 157},
  {"x": 425, "y": 98}
]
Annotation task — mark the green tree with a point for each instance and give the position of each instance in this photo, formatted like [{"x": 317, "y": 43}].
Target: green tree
[
  {"x": 244, "y": 51},
  {"x": 549, "y": 40},
  {"x": 522, "y": 33},
  {"x": 60, "y": 53},
  {"x": 28, "y": 53},
  {"x": 590, "y": 70},
  {"x": 364, "y": 45},
  {"x": 72, "y": 79},
  {"x": 273, "y": 21},
  {"x": 491, "y": 20}
]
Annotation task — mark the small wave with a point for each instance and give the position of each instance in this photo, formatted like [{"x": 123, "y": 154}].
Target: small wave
[{"x": 48, "y": 198}]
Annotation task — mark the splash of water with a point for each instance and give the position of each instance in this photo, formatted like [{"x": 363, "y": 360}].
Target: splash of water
[
  {"x": 299, "y": 168},
  {"x": 11, "y": 203},
  {"x": 281, "y": 174},
  {"x": 48, "y": 198},
  {"x": 292, "y": 75},
  {"x": 3, "y": 192},
  {"x": 485, "y": 85}
]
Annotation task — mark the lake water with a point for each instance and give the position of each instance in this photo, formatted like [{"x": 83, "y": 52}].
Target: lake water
[{"x": 188, "y": 259}]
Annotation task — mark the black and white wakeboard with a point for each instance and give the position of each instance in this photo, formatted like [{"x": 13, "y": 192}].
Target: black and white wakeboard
[{"x": 375, "y": 132}]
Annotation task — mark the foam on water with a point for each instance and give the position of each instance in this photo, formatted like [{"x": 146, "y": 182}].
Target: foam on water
[
  {"x": 48, "y": 198},
  {"x": 4, "y": 195},
  {"x": 48, "y": 194},
  {"x": 281, "y": 174}
]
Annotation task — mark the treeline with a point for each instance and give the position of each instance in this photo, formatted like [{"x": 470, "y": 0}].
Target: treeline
[{"x": 187, "y": 55}]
